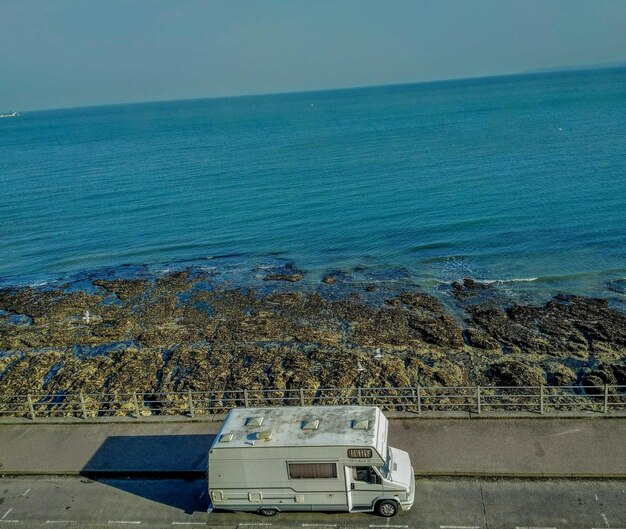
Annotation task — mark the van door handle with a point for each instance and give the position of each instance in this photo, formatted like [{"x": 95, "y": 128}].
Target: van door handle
[{"x": 351, "y": 486}]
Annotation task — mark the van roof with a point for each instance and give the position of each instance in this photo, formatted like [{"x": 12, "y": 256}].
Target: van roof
[{"x": 303, "y": 425}]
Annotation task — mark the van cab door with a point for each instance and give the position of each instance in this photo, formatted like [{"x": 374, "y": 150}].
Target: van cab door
[{"x": 365, "y": 485}]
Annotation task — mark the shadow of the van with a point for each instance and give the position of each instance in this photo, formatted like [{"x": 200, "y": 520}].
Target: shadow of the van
[{"x": 168, "y": 469}]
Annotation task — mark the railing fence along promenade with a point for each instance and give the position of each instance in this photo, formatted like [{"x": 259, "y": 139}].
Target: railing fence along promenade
[{"x": 416, "y": 400}]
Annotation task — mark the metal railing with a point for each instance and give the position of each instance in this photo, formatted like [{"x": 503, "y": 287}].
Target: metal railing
[{"x": 415, "y": 400}]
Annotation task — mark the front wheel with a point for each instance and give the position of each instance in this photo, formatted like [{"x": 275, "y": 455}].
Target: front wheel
[
  {"x": 267, "y": 511},
  {"x": 387, "y": 508}
]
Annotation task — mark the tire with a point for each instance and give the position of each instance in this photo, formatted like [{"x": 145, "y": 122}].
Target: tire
[
  {"x": 267, "y": 511},
  {"x": 386, "y": 508}
]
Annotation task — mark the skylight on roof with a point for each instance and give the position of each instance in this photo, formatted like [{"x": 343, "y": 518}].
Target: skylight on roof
[
  {"x": 360, "y": 424},
  {"x": 265, "y": 435},
  {"x": 311, "y": 424},
  {"x": 254, "y": 421}
]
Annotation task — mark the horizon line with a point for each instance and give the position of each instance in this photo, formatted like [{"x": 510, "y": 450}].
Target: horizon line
[{"x": 556, "y": 70}]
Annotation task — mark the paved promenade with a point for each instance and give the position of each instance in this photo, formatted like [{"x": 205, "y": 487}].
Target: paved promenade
[{"x": 458, "y": 447}]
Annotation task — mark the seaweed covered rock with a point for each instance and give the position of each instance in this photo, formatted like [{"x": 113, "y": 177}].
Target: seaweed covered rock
[
  {"x": 287, "y": 273},
  {"x": 514, "y": 373},
  {"x": 611, "y": 374},
  {"x": 428, "y": 318},
  {"x": 469, "y": 289},
  {"x": 182, "y": 331},
  {"x": 513, "y": 336},
  {"x": 434, "y": 369},
  {"x": 478, "y": 338},
  {"x": 566, "y": 326},
  {"x": 411, "y": 319},
  {"x": 124, "y": 290},
  {"x": 30, "y": 373},
  {"x": 559, "y": 374}
]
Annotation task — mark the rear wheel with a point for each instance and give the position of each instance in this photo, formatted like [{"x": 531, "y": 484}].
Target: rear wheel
[
  {"x": 387, "y": 508},
  {"x": 267, "y": 511}
]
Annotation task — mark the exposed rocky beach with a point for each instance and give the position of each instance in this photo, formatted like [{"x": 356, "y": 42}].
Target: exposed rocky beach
[{"x": 188, "y": 330}]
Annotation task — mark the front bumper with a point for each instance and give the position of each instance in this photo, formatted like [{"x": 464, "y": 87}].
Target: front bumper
[{"x": 406, "y": 505}]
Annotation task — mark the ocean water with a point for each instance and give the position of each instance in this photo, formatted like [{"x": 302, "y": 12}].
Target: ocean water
[{"x": 520, "y": 180}]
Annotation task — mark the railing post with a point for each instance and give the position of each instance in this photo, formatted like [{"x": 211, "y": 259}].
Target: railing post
[
  {"x": 245, "y": 398},
  {"x": 136, "y": 403},
  {"x": 83, "y": 409},
  {"x": 478, "y": 403},
  {"x": 359, "y": 398},
  {"x": 606, "y": 399},
  {"x": 301, "y": 396},
  {"x": 419, "y": 401},
  {"x": 541, "y": 399},
  {"x": 31, "y": 408},
  {"x": 190, "y": 397}
]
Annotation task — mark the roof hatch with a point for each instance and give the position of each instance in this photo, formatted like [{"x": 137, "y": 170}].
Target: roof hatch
[
  {"x": 226, "y": 438},
  {"x": 310, "y": 424},
  {"x": 254, "y": 421},
  {"x": 265, "y": 435},
  {"x": 360, "y": 424}
]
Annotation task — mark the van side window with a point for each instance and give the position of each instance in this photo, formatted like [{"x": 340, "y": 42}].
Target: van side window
[
  {"x": 365, "y": 474},
  {"x": 312, "y": 470}
]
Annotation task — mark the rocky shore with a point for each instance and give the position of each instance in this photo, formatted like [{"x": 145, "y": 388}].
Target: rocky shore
[{"x": 184, "y": 330}]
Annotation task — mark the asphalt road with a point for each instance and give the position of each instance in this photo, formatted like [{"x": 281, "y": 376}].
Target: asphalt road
[{"x": 445, "y": 503}]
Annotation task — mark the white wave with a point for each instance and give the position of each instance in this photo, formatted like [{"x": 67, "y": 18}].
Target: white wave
[
  {"x": 512, "y": 280},
  {"x": 40, "y": 283}
]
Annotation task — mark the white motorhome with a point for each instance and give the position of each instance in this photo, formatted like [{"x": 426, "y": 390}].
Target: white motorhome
[{"x": 315, "y": 458}]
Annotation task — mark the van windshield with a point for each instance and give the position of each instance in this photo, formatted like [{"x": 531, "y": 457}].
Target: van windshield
[{"x": 384, "y": 469}]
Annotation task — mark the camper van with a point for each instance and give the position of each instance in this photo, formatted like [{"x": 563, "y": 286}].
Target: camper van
[{"x": 309, "y": 458}]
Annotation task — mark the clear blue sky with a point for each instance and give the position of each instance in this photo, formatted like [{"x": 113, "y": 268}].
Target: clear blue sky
[{"x": 61, "y": 53}]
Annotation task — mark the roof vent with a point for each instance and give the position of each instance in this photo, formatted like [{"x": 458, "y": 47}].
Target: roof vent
[
  {"x": 265, "y": 435},
  {"x": 311, "y": 424},
  {"x": 226, "y": 438},
  {"x": 360, "y": 424},
  {"x": 254, "y": 421}
]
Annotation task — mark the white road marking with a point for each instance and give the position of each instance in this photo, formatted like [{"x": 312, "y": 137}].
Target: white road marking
[
  {"x": 319, "y": 525},
  {"x": 4, "y": 517},
  {"x": 254, "y": 524},
  {"x": 521, "y": 527},
  {"x": 459, "y": 526},
  {"x": 59, "y": 521},
  {"x": 26, "y": 492},
  {"x": 606, "y": 521},
  {"x": 188, "y": 523},
  {"x": 373, "y": 525},
  {"x": 124, "y": 521},
  {"x": 565, "y": 432}
]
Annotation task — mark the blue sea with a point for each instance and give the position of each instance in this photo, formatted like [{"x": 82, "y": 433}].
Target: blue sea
[{"x": 518, "y": 180}]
